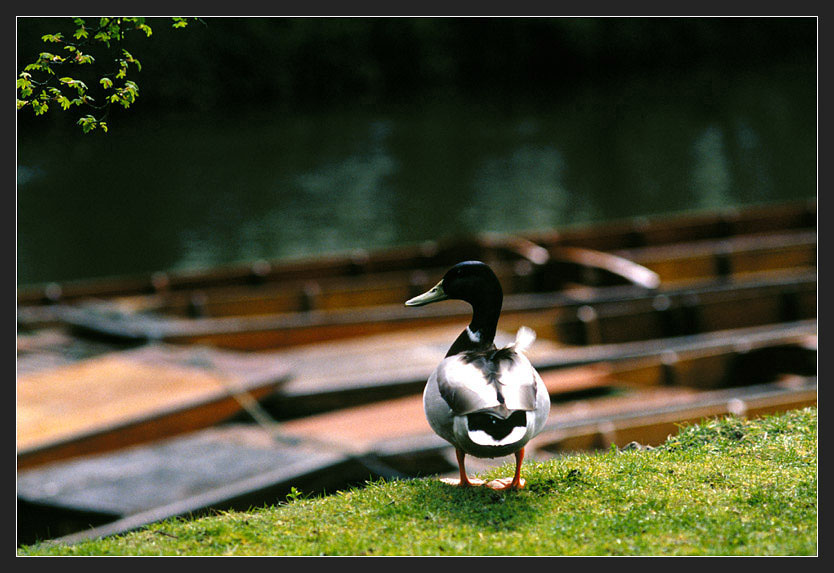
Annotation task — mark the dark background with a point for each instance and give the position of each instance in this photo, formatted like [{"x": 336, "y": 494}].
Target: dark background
[{"x": 302, "y": 63}]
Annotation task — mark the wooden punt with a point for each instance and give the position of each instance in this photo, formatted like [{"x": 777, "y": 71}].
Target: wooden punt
[
  {"x": 494, "y": 249},
  {"x": 649, "y": 267},
  {"x": 226, "y": 467},
  {"x": 122, "y": 398},
  {"x": 335, "y": 376},
  {"x": 728, "y": 258},
  {"x": 553, "y": 269},
  {"x": 605, "y": 314},
  {"x": 741, "y": 357}
]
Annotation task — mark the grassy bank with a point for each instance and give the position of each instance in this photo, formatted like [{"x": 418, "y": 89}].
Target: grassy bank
[{"x": 726, "y": 487}]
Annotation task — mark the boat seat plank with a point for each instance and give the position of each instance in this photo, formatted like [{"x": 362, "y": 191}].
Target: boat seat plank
[{"x": 119, "y": 388}]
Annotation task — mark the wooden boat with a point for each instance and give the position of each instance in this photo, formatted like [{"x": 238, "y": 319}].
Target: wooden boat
[
  {"x": 576, "y": 317},
  {"x": 728, "y": 258},
  {"x": 334, "y": 376},
  {"x": 412, "y": 260},
  {"x": 123, "y": 398},
  {"x": 594, "y": 405},
  {"x": 227, "y": 467},
  {"x": 335, "y": 298},
  {"x": 664, "y": 362},
  {"x": 562, "y": 267}
]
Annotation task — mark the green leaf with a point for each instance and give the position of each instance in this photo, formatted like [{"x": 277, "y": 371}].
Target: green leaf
[
  {"x": 106, "y": 83},
  {"x": 52, "y": 37},
  {"x": 129, "y": 58},
  {"x": 48, "y": 57},
  {"x": 24, "y": 85},
  {"x": 87, "y": 123}
]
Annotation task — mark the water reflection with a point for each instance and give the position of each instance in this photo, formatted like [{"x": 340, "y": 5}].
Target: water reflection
[
  {"x": 711, "y": 179},
  {"x": 533, "y": 177},
  {"x": 198, "y": 191}
]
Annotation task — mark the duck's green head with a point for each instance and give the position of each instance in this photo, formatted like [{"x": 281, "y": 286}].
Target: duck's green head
[{"x": 471, "y": 281}]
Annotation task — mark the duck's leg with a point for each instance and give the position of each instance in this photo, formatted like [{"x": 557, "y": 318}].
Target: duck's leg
[
  {"x": 515, "y": 482},
  {"x": 464, "y": 481}
]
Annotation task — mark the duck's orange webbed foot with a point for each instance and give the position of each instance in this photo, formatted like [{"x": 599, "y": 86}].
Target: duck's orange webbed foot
[
  {"x": 468, "y": 482},
  {"x": 463, "y": 481},
  {"x": 516, "y": 482},
  {"x": 506, "y": 483}
]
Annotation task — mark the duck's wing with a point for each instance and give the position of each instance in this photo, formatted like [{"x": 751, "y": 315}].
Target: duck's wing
[{"x": 470, "y": 382}]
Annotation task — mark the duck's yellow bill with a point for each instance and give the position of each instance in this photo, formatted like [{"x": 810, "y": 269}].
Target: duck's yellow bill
[{"x": 434, "y": 294}]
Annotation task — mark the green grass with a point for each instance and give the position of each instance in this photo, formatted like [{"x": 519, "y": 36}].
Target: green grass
[{"x": 723, "y": 487}]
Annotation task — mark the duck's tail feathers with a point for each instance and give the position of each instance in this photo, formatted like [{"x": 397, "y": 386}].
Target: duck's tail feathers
[{"x": 524, "y": 339}]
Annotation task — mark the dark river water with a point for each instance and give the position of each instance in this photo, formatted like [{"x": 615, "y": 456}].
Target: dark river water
[{"x": 187, "y": 191}]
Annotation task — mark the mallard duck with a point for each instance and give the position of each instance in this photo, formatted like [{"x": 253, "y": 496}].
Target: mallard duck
[{"x": 485, "y": 401}]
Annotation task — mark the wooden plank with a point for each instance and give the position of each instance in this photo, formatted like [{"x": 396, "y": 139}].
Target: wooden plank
[
  {"x": 133, "y": 396},
  {"x": 622, "y": 314},
  {"x": 658, "y": 230},
  {"x": 743, "y": 337},
  {"x": 781, "y": 297},
  {"x": 728, "y": 256}
]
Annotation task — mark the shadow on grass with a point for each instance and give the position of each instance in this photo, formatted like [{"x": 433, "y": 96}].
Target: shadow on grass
[{"x": 484, "y": 508}]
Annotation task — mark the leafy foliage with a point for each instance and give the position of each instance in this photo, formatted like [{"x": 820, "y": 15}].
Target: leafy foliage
[{"x": 39, "y": 85}]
